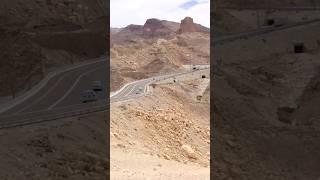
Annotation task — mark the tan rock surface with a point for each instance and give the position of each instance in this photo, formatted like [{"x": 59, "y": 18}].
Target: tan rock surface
[{"x": 168, "y": 127}]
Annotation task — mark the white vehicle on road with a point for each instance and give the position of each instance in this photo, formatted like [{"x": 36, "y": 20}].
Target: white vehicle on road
[
  {"x": 88, "y": 96},
  {"x": 138, "y": 91},
  {"x": 97, "y": 86}
]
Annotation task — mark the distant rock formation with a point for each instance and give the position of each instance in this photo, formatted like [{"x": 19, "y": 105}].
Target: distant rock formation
[
  {"x": 134, "y": 28},
  {"x": 153, "y": 28},
  {"x": 187, "y": 25},
  {"x": 156, "y": 28}
]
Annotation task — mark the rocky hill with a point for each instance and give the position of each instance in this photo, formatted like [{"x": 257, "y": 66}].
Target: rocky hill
[
  {"x": 155, "y": 28},
  {"x": 44, "y": 34},
  {"x": 158, "y": 46},
  {"x": 266, "y": 98}
]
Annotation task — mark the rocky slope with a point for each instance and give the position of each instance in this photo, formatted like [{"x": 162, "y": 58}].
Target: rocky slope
[
  {"x": 70, "y": 149},
  {"x": 45, "y": 34},
  {"x": 234, "y": 16},
  {"x": 170, "y": 127},
  {"x": 267, "y": 122}
]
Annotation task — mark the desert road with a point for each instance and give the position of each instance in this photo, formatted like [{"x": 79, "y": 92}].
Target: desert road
[
  {"x": 141, "y": 87},
  {"x": 60, "y": 96},
  {"x": 244, "y": 35},
  {"x": 64, "y": 89}
]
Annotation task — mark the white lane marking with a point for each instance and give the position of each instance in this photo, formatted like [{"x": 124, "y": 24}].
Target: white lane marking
[
  {"x": 43, "y": 96},
  {"x": 72, "y": 87},
  {"x": 60, "y": 108},
  {"x": 131, "y": 90},
  {"x": 145, "y": 89},
  {"x": 122, "y": 92}
]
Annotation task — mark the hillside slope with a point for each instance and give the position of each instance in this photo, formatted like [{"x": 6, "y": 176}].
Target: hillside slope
[
  {"x": 265, "y": 99},
  {"x": 44, "y": 34}
]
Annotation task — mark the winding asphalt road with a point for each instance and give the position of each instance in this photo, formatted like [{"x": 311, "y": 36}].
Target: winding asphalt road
[
  {"x": 63, "y": 90},
  {"x": 60, "y": 96},
  {"x": 140, "y": 87}
]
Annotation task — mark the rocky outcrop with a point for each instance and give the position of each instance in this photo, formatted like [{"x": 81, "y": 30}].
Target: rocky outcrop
[
  {"x": 155, "y": 28},
  {"x": 187, "y": 25},
  {"x": 134, "y": 28}
]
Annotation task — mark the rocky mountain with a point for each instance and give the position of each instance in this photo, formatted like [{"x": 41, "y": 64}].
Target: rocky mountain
[
  {"x": 158, "y": 46},
  {"x": 155, "y": 28}
]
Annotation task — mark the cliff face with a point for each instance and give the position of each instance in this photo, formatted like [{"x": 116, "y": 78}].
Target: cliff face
[
  {"x": 156, "y": 28},
  {"x": 187, "y": 25}
]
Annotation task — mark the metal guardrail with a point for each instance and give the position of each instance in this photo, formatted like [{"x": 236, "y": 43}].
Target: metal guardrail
[
  {"x": 246, "y": 35},
  {"x": 44, "y": 118},
  {"x": 287, "y": 8}
]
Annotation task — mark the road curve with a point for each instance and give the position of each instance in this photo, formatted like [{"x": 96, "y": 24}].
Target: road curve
[
  {"x": 60, "y": 97},
  {"x": 63, "y": 89},
  {"x": 141, "y": 87},
  {"x": 243, "y": 35}
]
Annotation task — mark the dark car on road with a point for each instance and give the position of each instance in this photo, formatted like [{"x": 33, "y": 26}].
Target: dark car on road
[{"x": 88, "y": 96}]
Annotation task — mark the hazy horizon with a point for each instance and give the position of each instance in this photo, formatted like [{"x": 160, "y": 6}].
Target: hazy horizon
[
  {"x": 160, "y": 19},
  {"x": 126, "y": 12}
]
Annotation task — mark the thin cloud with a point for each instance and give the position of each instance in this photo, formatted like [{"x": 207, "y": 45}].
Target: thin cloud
[
  {"x": 125, "y": 12},
  {"x": 188, "y": 4}
]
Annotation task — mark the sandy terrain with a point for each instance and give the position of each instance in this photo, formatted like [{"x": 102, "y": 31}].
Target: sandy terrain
[
  {"x": 135, "y": 166},
  {"x": 168, "y": 131},
  {"x": 265, "y": 98},
  {"x": 73, "y": 148}
]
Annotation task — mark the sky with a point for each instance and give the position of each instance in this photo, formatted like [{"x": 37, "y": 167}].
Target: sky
[{"x": 125, "y": 12}]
